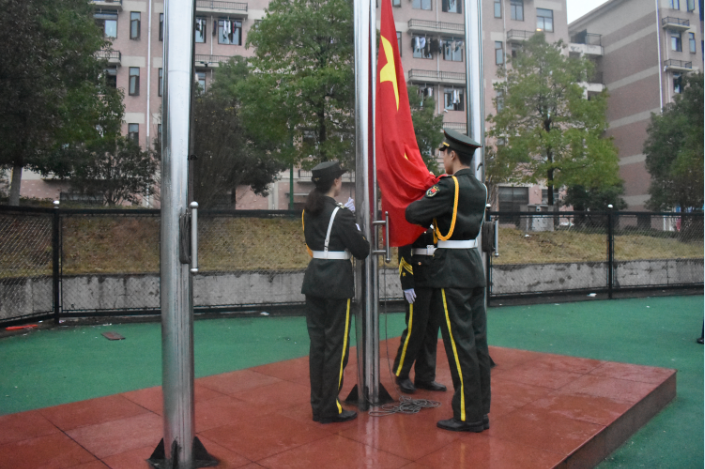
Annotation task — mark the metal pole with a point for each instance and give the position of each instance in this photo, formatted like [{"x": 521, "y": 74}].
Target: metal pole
[
  {"x": 610, "y": 251},
  {"x": 56, "y": 250},
  {"x": 364, "y": 270},
  {"x": 176, "y": 281}
]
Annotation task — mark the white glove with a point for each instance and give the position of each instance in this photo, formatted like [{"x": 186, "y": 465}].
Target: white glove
[
  {"x": 350, "y": 204},
  {"x": 410, "y": 295},
  {"x": 358, "y": 227}
]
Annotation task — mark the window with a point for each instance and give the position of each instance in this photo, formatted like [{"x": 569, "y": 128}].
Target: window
[
  {"x": 453, "y": 99},
  {"x": 134, "y": 81},
  {"x": 200, "y": 34},
  {"x": 498, "y": 53},
  {"x": 399, "y": 42},
  {"x": 691, "y": 5},
  {"x": 135, "y": 24},
  {"x": 675, "y": 4},
  {"x": 513, "y": 199},
  {"x": 229, "y": 32},
  {"x": 691, "y": 42},
  {"x": 161, "y": 26},
  {"x": 201, "y": 81},
  {"x": 544, "y": 20},
  {"x": 517, "y": 10},
  {"x": 544, "y": 196},
  {"x": 677, "y": 83},
  {"x": 515, "y": 49},
  {"x": 499, "y": 102},
  {"x": 453, "y": 49},
  {"x": 396, "y": 3},
  {"x": 452, "y": 6},
  {"x": 159, "y": 133},
  {"x": 421, "y": 4},
  {"x": 497, "y": 8},
  {"x": 111, "y": 77},
  {"x": 107, "y": 21},
  {"x": 160, "y": 90},
  {"x": 676, "y": 43},
  {"x": 133, "y": 133},
  {"x": 421, "y": 47}
]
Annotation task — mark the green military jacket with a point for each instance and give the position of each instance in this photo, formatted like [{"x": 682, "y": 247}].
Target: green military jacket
[
  {"x": 332, "y": 278},
  {"x": 454, "y": 268},
  {"x": 414, "y": 269}
]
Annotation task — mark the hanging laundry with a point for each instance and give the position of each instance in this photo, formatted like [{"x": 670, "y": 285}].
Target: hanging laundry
[
  {"x": 422, "y": 43},
  {"x": 456, "y": 97},
  {"x": 215, "y": 27}
]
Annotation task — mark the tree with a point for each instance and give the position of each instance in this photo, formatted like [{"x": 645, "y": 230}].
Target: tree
[
  {"x": 113, "y": 168},
  {"x": 545, "y": 130},
  {"x": 51, "y": 91},
  {"x": 225, "y": 158},
  {"x": 674, "y": 150},
  {"x": 300, "y": 97},
  {"x": 427, "y": 126},
  {"x": 595, "y": 199}
]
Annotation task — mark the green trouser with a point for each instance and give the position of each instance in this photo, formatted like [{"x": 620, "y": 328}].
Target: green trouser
[
  {"x": 328, "y": 322},
  {"x": 419, "y": 340},
  {"x": 464, "y": 330}
]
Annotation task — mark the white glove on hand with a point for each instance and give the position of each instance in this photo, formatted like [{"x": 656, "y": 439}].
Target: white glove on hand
[
  {"x": 350, "y": 204},
  {"x": 410, "y": 295}
]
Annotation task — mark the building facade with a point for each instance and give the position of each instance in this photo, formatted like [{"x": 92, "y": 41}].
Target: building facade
[
  {"x": 648, "y": 46},
  {"x": 431, "y": 37}
]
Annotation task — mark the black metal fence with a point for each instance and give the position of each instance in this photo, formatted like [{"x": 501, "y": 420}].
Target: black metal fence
[{"x": 58, "y": 263}]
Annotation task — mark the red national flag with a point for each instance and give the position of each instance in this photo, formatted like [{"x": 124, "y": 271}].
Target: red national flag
[{"x": 401, "y": 172}]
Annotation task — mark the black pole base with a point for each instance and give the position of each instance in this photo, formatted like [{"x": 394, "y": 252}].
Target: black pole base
[
  {"x": 384, "y": 397},
  {"x": 201, "y": 457}
]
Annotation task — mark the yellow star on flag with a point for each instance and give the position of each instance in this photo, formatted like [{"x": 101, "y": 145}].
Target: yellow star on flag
[{"x": 388, "y": 72}]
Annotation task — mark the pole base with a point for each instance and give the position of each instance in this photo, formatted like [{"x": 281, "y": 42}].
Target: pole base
[
  {"x": 201, "y": 457},
  {"x": 383, "y": 398}
]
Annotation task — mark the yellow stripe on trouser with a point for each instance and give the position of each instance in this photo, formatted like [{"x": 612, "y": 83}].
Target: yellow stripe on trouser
[
  {"x": 408, "y": 335},
  {"x": 342, "y": 357},
  {"x": 455, "y": 354}
]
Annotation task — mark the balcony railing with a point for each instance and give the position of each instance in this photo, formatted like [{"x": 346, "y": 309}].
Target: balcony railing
[
  {"x": 436, "y": 26},
  {"x": 433, "y": 76},
  {"x": 204, "y": 60},
  {"x": 677, "y": 24},
  {"x": 587, "y": 38},
  {"x": 517, "y": 35},
  {"x": 461, "y": 127},
  {"x": 672, "y": 64},
  {"x": 112, "y": 56},
  {"x": 209, "y": 6},
  {"x": 108, "y": 3}
]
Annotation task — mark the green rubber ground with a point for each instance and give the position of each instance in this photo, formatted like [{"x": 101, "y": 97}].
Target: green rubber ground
[{"x": 67, "y": 364}]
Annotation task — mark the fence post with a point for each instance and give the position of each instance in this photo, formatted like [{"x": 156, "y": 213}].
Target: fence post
[
  {"x": 610, "y": 251},
  {"x": 488, "y": 258},
  {"x": 55, "y": 248}
]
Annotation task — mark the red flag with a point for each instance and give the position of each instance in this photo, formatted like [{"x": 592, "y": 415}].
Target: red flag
[{"x": 401, "y": 172}]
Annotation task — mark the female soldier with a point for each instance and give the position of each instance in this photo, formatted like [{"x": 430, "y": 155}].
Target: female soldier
[{"x": 331, "y": 237}]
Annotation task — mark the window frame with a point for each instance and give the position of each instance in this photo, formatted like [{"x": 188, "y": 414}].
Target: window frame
[
  {"x": 516, "y": 10},
  {"x": 396, "y": 3},
  {"x": 161, "y": 26},
  {"x": 399, "y": 42},
  {"x": 498, "y": 53},
  {"x": 677, "y": 82},
  {"x": 676, "y": 41},
  {"x": 160, "y": 83},
  {"x": 420, "y": 4},
  {"x": 690, "y": 5},
  {"x": 418, "y": 53},
  {"x": 497, "y": 8},
  {"x": 221, "y": 24},
  {"x": 453, "y": 56},
  {"x": 203, "y": 22},
  {"x": 541, "y": 20},
  {"x": 692, "y": 44},
  {"x": 675, "y": 4},
  {"x": 448, "y": 104},
  {"x": 199, "y": 76},
  {"x": 111, "y": 72},
  {"x": 445, "y": 6},
  {"x": 135, "y": 24},
  {"x": 133, "y": 88},
  {"x": 133, "y": 135}
]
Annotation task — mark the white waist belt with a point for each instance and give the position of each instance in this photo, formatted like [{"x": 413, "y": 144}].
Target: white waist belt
[
  {"x": 457, "y": 244},
  {"x": 345, "y": 255},
  {"x": 427, "y": 251}
]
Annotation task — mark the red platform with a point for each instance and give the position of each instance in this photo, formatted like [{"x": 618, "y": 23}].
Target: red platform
[{"x": 547, "y": 411}]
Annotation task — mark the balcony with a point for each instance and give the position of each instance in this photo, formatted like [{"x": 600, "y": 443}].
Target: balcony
[
  {"x": 438, "y": 27},
  {"x": 433, "y": 76},
  {"x": 461, "y": 127},
  {"x": 113, "y": 57},
  {"x": 518, "y": 36},
  {"x": 110, "y": 4},
  {"x": 585, "y": 43},
  {"x": 210, "y": 61},
  {"x": 209, "y": 7},
  {"x": 675, "y": 24},
  {"x": 677, "y": 65}
]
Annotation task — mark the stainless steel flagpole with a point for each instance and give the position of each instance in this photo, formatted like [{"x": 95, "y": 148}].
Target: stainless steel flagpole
[{"x": 474, "y": 83}]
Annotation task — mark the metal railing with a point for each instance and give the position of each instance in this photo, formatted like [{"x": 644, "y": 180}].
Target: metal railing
[
  {"x": 459, "y": 126},
  {"x": 109, "y": 55},
  {"x": 519, "y": 35},
  {"x": 221, "y": 6},
  {"x": 58, "y": 263},
  {"x": 211, "y": 59},
  {"x": 680, "y": 64},
  {"x": 671, "y": 21},
  {"x": 439, "y": 26},
  {"x": 438, "y": 76}
]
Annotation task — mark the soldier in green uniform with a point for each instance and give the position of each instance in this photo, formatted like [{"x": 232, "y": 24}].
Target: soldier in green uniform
[
  {"x": 456, "y": 207},
  {"x": 420, "y": 338},
  {"x": 331, "y": 238}
]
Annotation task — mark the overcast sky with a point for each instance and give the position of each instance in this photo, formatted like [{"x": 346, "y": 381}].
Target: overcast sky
[{"x": 577, "y": 8}]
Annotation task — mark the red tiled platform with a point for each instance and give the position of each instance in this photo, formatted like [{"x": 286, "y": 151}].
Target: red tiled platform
[{"x": 548, "y": 411}]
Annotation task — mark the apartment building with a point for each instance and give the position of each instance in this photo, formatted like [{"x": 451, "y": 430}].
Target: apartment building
[
  {"x": 648, "y": 47},
  {"x": 431, "y": 36}
]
